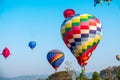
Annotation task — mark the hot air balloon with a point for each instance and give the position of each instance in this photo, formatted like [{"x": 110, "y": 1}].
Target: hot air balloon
[
  {"x": 6, "y": 52},
  {"x": 118, "y": 57},
  {"x": 32, "y": 44},
  {"x": 97, "y": 2},
  {"x": 100, "y": 2},
  {"x": 81, "y": 33},
  {"x": 68, "y": 13},
  {"x": 107, "y": 1},
  {"x": 55, "y": 58}
]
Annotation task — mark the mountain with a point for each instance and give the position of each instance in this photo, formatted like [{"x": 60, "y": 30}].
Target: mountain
[
  {"x": 35, "y": 77},
  {"x": 42, "y": 77},
  {"x": 30, "y": 77}
]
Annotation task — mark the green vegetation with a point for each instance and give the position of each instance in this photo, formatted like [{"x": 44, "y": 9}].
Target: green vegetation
[
  {"x": 95, "y": 76},
  {"x": 82, "y": 76},
  {"x": 62, "y": 75},
  {"x": 39, "y": 79},
  {"x": 118, "y": 75},
  {"x": 110, "y": 73}
]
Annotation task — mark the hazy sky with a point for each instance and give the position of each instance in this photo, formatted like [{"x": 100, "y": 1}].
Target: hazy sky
[{"x": 22, "y": 21}]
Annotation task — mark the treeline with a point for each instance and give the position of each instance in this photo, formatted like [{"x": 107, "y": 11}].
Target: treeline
[{"x": 110, "y": 73}]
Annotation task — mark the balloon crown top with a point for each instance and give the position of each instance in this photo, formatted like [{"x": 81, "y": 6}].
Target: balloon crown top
[
  {"x": 68, "y": 13},
  {"x": 6, "y": 48}
]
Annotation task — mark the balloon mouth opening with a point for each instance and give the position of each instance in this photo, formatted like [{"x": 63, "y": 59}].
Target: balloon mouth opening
[
  {"x": 55, "y": 68},
  {"x": 32, "y": 48},
  {"x": 82, "y": 62}
]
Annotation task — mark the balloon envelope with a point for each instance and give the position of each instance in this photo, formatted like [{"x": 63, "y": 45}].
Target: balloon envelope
[
  {"x": 118, "y": 57},
  {"x": 81, "y": 34},
  {"x": 68, "y": 13},
  {"x": 100, "y": 2},
  {"x": 32, "y": 44},
  {"x": 55, "y": 58},
  {"x": 6, "y": 52}
]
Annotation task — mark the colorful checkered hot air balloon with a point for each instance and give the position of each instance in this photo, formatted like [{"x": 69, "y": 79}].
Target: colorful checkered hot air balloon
[
  {"x": 55, "y": 58},
  {"x": 81, "y": 33}
]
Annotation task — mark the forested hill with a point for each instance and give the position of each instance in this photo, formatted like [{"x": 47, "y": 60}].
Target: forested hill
[{"x": 111, "y": 73}]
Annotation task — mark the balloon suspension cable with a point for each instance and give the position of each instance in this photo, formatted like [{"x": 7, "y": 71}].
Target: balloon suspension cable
[
  {"x": 55, "y": 71},
  {"x": 108, "y": 3},
  {"x": 5, "y": 58},
  {"x": 83, "y": 69}
]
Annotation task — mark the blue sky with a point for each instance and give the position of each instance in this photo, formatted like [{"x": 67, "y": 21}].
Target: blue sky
[{"x": 22, "y": 21}]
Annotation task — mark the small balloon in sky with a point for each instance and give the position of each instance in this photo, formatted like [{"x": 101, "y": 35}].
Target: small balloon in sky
[
  {"x": 118, "y": 57},
  {"x": 69, "y": 12},
  {"x": 100, "y": 2},
  {"x": 6, "y": 52},
  {"x": 55, "y": 58},
  {"x": 32, "y": 44}
]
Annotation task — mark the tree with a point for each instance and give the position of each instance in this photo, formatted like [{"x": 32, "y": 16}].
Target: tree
[
  {"x": 69, "y": 69},
  {"x": 106, "y": 79},
  {"x": 108, "y": 70},
  {"x": 82, "y": 76},
  {"x": 95, "y": 76},
  {"x": 118, "y": 75},
  {"x": 108, "y": 73},
  {"x": 39, "y": 79},
  {"x": 62, "y": 75}
]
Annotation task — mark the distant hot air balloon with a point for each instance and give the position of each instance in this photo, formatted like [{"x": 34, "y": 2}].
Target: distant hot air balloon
[
  {"x": 6, "y": 52},
  {"x": 100, "y": 2},
  {"x": 69, "y": 12},
  {"x": 81, "y": 33},
  {"x": 55, "y": 58},
  {"x": 118, "y": 57},
  {"x": 32, "y": 44}
]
